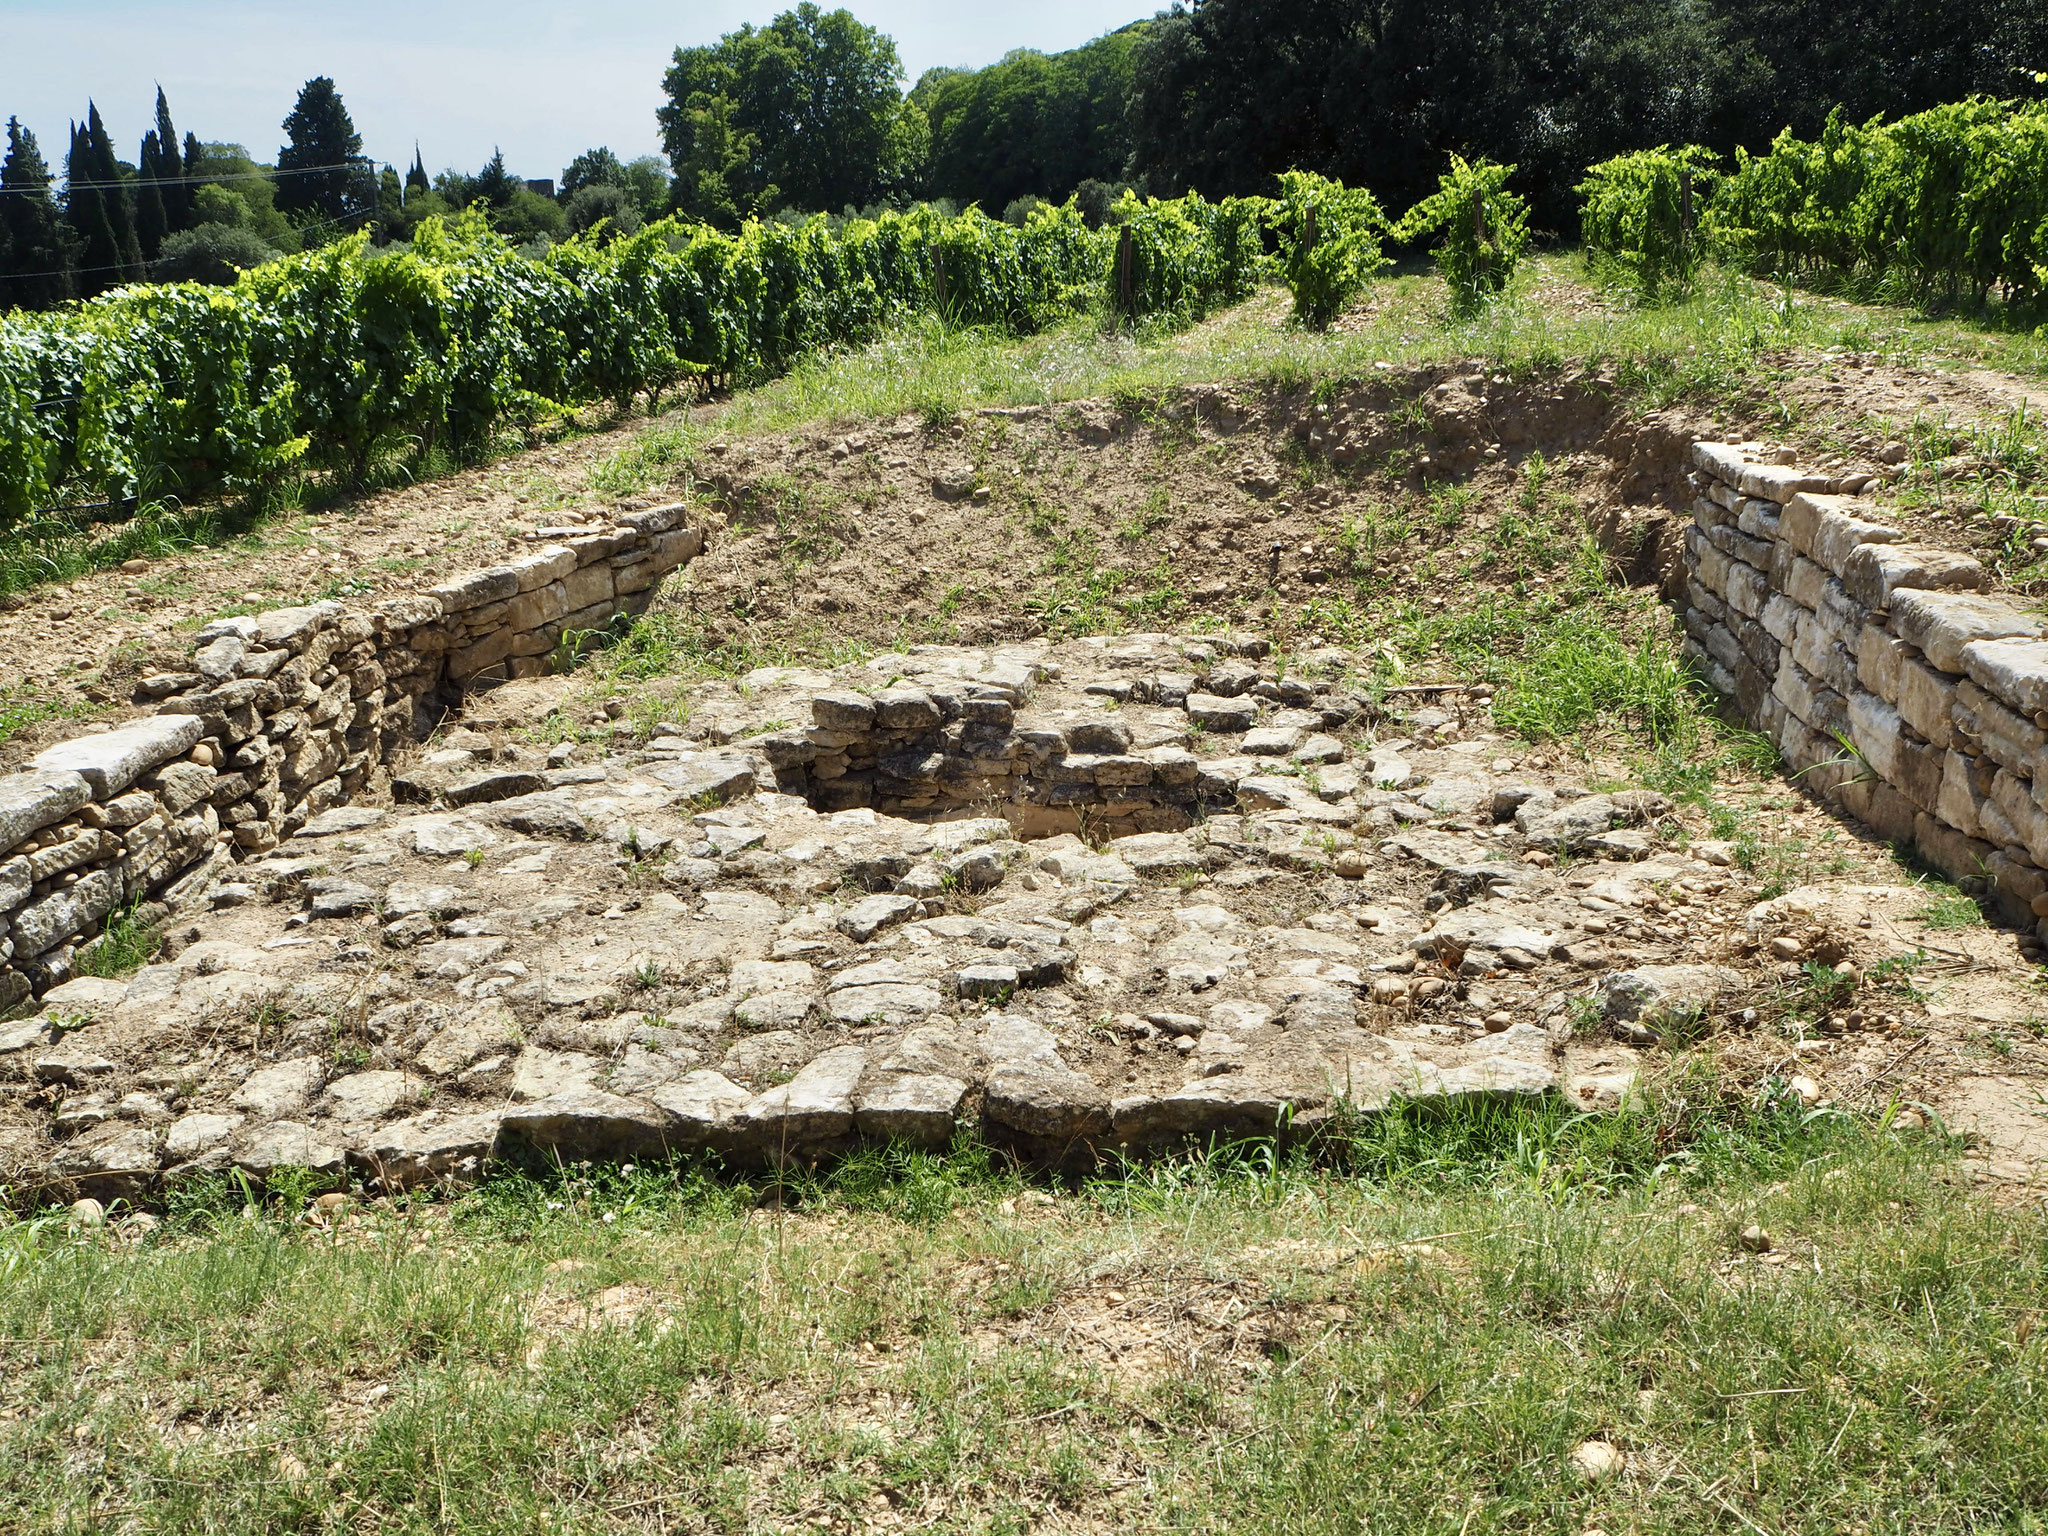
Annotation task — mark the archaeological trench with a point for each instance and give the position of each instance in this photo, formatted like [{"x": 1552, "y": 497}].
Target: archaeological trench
[{"x": 1078, "y": 898}]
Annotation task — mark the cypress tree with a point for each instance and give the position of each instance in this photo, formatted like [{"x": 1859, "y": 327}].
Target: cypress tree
[
  {"x": 195, "y": 161},
  {"x": 177, "y": 198},
  {"x": 152, "y": 216},
  {"x": 416, "y": 178},
  {"x": 390, "y": 204},
  {"x": 38, "y": 253},
  {"x": 101, "y": 208}
]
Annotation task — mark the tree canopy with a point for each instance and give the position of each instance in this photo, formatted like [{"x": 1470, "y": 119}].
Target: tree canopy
[
  {"x": 1228, "y": 93},
  {"x": 322, "y": 175},
  {"x": 1032, "y": 123},
  {"x": 803, "y": 113},
  {"x": 38, "y": 251}
]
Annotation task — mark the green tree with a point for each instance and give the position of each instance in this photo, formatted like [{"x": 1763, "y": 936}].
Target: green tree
[
  {"x": 38, "y": 251},
  {"x": 210, "y": 253},
  {"x": 805, "y": 112},
  {"x": 390, "y": 203},
  {"x": 163, "y": 202},
  {"x": 236, "y": 191},
  {"x": 648, "y": 182},
  {"x": 416, "y": 178},
  {"x": 715, "y": 178},
  {"x": 1228, "y": 93},
  {"x": 494, "y": 184},
  {"x": 1032, "y": 123},
  {"x": 528, "y": 217},
  {"x": 602, "y": 202},
  {"x": 323, "y": 178},
  {"x": 593, "y": 168},
  {"x": 99, "y": 204}
]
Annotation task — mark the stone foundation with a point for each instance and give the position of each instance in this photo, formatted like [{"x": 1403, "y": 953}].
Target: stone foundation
[{"x": 938, "y": 741}]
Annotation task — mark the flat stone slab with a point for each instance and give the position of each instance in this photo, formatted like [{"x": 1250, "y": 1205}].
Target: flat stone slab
[
  {"x": 113, "y": 760},
  {"x": 343, "y": 818}
]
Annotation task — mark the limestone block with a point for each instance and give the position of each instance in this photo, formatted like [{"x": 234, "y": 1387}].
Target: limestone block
[
  {"x": 1814, "y": 649},
  {"x": 669, "y": 550},
  {"x": 843, "y": 711},
  {"x": 1815, "y": 704},
  {"x": 588, "y": 586},
  {"x": 602, "y": 546},
  {"x": 1799, "y": 578},
  {"x": 1748, "y": 589},
  {"x": 407, "y": 611},
  {"x": 1925, "y": 698},
  {"x": 42, "y": 925},
  {"x": 1781, "y": 617},
  {"x": 1741, "y": 546},
  {"x": 1879, "y": 807},
  {"x": 1719, "y": 642},
  {"x": 1723, "y": 461},
  {"x": 1960, "y": 802},
  {"x": 2011, "y": 795},
  {"x": 1708, "y": 514},
  {"x": 1878, "y": 655},
  {"x": 1826, "y": 529},
  {"x": 1699, "y": 600},
  {"x": 2005, "y": 737},
  {"x": 294, "y": 629},
  {"x": 487, "y": 652},
  {"x": 1874, "y": 572},
  {"x": 110, "y": 762},
  {"x": 629, "y": 579},
  {"x": 1943, "y": 623},
  {"x": 549, "y": 564},
  {"x": 2016, "y": 671},
  {"x": 497, "y": 585},
  {"x": 1874, "y": 728},
  {"x": 1710, "y": 565},
  {"x": 905, "y": 708},
  {"x": 1919, "y": 770},
  {"x": 1758, "y": 518},
  {"x": 1778, "y": 482},
  {"x": 1994, "y": 826},
  {"x": 35, "y": 798},
  {"x": 654, "y": 520}
]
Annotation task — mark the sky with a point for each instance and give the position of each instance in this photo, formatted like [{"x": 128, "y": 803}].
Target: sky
[{"x": 542, "y": 79}]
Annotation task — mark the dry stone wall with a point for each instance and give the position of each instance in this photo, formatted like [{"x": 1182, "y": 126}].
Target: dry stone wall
[
  {"x": 1887, "y": 675},
  {"x": 282, "y": 717},
  {"x": 938, "y": 742}
]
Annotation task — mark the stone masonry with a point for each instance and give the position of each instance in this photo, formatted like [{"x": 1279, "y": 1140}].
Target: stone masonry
[
  {"x": 282, "y": 716},
  {"x": 1890, "y": 680}
]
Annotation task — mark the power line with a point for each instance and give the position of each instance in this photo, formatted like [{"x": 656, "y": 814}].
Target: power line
[
  {"x": 144, "y": 281},
  {"x": 191, "y": 181}
]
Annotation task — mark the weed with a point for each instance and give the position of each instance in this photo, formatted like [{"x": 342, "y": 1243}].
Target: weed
[
  {"x": 124, "y": 945},
  {"x": 1949, "y": 908}
]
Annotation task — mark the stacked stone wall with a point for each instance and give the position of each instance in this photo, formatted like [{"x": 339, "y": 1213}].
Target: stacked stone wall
[
  {"x": 1893, "y": 683},
  {"x": 936, "y": 746},
  {"x": 280, "y": 717}
]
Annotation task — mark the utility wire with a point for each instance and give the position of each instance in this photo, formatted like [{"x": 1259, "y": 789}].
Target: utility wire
[
  {"x": 119, "y": 267},
  {"x": 191, "y": 181}
]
